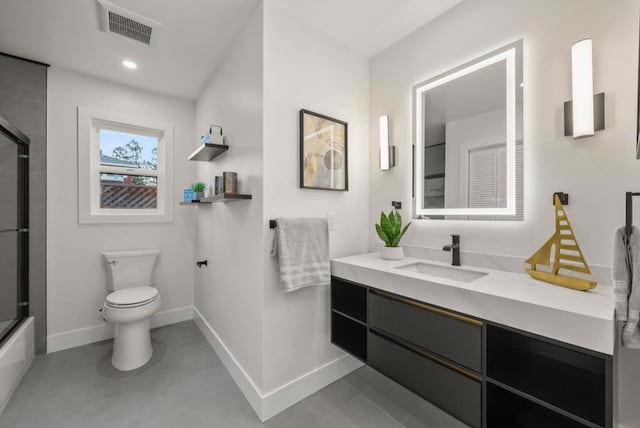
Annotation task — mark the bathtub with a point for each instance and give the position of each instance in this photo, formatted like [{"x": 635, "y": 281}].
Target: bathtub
[{"x": 16, "y": 356}]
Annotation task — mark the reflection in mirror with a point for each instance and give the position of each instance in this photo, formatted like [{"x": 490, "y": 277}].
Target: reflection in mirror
[{"x": 469, "y": 151}]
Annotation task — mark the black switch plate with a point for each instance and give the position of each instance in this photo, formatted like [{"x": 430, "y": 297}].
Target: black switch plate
[{"x": 564, "y": 198}]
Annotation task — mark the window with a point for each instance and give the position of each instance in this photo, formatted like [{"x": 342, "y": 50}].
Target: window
[
  {"x": 125, "y": 169},
  {"x": 128, "y": 168}
]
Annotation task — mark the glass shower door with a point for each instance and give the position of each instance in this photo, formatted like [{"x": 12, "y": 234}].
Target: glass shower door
[{"x": 13, "y": 234}]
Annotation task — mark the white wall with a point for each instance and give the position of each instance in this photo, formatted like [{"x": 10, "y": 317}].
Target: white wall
[
  {"x": 595, "y": 171},
  {"x": 304, "y": 68},
  {"x": 76, "y": 275},
  {"x": 276, "y": 67},
  {"x": 229, "y": 292}
]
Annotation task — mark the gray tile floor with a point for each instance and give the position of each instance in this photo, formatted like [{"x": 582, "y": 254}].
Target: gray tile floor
[{"x": 186, "y": 386}]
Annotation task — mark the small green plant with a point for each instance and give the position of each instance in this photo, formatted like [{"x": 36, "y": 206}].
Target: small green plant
[
  {"x": 390, "y": 229},
  {"x": 200, "y": 186}
]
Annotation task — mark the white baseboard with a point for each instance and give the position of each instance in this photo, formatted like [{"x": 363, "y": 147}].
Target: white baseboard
[
  {"x": 104, "y": 331},
  {"x": 287, "y": 395},
  {"x": 172, "y": 316},
  {"x": 267, "y": 405},
  {"x": 16, "y": 357},
  {"x": 239, "y": 375}
]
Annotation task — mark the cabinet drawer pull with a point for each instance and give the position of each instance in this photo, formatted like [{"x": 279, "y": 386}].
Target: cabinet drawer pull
[{"x": 429, "y": 308}]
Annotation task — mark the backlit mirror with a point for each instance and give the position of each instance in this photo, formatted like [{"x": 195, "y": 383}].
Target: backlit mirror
[{"x": 468, "y": 140}]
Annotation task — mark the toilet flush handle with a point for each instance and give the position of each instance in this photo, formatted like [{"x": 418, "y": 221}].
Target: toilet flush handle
[{"x": 113, "y": 262}]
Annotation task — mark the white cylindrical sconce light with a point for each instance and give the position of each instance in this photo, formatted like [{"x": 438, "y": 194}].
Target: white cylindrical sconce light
[
  {"x": 387, "y": 153},
  {"x": 582, "y": 88}
]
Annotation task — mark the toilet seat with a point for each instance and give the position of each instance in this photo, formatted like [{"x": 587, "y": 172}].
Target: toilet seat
[{"x": 132, "y": 297}]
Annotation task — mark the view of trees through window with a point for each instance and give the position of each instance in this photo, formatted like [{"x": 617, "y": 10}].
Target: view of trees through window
[{"x": 131, "y": 151}]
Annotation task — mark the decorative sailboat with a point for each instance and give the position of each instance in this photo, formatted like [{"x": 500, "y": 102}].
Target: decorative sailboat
[{"x": 567, "y": 256}]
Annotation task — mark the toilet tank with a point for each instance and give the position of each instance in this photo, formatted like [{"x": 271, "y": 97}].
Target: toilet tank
[{"x": 131, "y": 268}]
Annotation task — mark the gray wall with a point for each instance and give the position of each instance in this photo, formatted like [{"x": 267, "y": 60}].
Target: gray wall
[{"x": 23, "y": 101}]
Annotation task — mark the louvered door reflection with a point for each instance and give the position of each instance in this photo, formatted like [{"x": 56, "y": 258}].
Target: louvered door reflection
[{"x": 483, "y": 173}]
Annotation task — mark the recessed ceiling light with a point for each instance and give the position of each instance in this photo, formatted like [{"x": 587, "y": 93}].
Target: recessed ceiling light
[{"x": 129, "y": 64}]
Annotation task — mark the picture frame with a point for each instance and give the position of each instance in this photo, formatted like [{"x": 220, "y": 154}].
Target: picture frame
[{"x": 323, "y": 152}]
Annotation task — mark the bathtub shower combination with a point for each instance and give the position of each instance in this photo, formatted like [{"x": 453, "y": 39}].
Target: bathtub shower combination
[
  {"x": 14, "y": 228},
  {"x": 16, "y": 329}
]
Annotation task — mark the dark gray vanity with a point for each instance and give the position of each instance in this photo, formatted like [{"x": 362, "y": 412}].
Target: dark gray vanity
[{"x": 485, "y": 374}]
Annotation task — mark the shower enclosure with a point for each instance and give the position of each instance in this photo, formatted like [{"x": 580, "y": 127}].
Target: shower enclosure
[{"x": 14, "y": 228}]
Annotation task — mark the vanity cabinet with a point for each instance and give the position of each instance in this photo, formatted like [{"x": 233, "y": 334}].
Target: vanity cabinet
[{"x": 484, "y": 374}]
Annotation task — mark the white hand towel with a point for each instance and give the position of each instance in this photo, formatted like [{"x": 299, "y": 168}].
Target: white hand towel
[
  {"x": 625, "y": 272},
  {"x": 620, "y": 272},
  {"x": 302, "y": 247}
]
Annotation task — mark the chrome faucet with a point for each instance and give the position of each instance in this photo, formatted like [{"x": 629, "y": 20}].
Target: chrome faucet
[{"x": 455, "y": 249}]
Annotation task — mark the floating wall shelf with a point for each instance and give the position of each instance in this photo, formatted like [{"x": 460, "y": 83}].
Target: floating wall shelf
[
  {"x": 225, "y": 197},
  {"x": 206, "y": 152}
]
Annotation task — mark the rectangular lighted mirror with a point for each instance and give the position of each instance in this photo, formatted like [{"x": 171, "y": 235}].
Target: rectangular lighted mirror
[{"x": 468, "y": 140}]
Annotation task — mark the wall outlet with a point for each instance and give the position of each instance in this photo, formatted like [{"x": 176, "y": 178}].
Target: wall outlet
[{"x": 331, "y": 220}]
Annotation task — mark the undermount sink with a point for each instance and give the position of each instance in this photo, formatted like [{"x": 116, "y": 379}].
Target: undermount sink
[{"x": 454, "y": 273}]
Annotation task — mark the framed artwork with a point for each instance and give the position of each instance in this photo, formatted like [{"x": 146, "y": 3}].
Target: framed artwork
[{"x": 323, "y": 152}]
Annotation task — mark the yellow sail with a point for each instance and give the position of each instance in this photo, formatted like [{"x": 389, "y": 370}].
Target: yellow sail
[{"x": 567, "y": 255}]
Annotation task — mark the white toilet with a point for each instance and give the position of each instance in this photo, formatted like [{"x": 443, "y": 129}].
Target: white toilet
[{"x": 130, "y": 304}]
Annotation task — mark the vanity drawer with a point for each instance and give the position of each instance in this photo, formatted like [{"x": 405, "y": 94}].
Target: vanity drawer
[
  {"x": 456, "y": 393},
  {"x": 455, "y": 337}
]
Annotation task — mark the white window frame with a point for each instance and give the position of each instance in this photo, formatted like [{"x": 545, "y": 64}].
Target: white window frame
[{"x": 90, "y": 121}]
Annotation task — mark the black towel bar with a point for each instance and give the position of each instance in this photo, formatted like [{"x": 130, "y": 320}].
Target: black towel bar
[{"x": 629, "y": 211}]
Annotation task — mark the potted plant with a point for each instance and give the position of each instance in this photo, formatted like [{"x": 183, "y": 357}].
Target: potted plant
[
  {"x": 199, "y": 189},
  {"x": 390, "y": 230}
]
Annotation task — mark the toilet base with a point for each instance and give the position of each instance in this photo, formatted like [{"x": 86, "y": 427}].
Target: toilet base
[{"x": 131, "y": 345}]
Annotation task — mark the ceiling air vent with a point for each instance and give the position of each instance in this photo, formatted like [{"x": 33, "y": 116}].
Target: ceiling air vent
[{"x": 117, "y": 20}]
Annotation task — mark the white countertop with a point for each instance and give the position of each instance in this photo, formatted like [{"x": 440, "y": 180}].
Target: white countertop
[{"x": 581, "y": 318}]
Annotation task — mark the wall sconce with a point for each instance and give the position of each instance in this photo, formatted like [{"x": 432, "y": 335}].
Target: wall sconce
[
  {"x": 387, "y": 152},
  {"x": 584, "y": 114}
]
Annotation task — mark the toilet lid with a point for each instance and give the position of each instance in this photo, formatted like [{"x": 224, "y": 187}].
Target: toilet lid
[{"x": 132, "y": 296}]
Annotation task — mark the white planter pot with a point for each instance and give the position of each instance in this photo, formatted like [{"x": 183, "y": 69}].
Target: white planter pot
[{"x": 392, "y": 253}]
